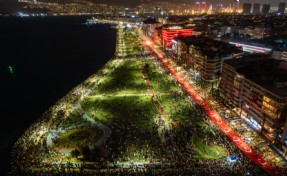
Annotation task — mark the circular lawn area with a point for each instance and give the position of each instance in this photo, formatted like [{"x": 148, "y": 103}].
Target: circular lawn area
[{"x": 77, "y": 137}]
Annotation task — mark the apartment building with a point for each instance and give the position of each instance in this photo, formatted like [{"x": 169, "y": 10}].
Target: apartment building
[
  {"x": 279, "y": 55},
  {"x": 203, "y": 55},
  {"x": 257, "y": 88}
]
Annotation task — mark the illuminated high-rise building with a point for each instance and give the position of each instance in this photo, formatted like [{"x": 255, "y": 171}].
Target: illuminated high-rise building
[
  {"x": 236, "y": 5},
  {"x": 259, "y": 93},
  {"x": 197, "y": 6},
  {"x": 203, "y": 6},
  {"x": 157, "y": 12},
  {"x": 256, "y": 8},
  {"x": 247, "y": 8},
  {"x": 265, "y": 9},
  {"x": 210, "y": 7},
  {"x": 281, "y": 8},
  {"x": 171, "y": 32}
]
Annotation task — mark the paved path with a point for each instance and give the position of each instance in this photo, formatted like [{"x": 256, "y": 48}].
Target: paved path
[
  {"x": 127, "y": 95},
  {"x": 236, "y": 139}
]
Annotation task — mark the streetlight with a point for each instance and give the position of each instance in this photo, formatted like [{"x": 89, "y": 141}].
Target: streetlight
[
  {"x": 247, "y": 174},
  {"x": 148, "y": 42}
]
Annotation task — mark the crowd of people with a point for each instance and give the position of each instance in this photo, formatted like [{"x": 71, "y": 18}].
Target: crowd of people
[
  {"x": 131, "y": 141},
  {"x": 31, "y": 150}
]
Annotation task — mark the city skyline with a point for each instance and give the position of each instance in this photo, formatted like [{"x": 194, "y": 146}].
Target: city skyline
[
  {"x": 152, "y": 87},
  {"x": 12, "y": 6}
]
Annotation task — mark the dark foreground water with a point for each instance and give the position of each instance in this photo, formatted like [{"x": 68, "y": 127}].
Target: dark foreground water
[{"x": 41, "y": 59}]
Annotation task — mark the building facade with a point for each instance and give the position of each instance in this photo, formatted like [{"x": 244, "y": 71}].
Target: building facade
[
  {"x": 265, "y": 9},
  {"x": 247, "y": 8},
  {"x": 171, "y": 32},
  {"x": 257, "y": 88},
  {"x": 256, "y": 8},
  {"x": 149, "y": 26},
  {"x": 279, "y": 55},
  {"x": 203, "y": 55},
  {"x": 281, "y": 8}
]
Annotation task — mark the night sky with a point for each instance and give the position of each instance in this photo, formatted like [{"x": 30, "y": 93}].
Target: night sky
[
  {"x": 226, "y": 2},
  {"x": 10, "y": 6}
]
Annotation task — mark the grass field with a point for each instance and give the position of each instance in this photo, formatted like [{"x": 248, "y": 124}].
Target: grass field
[
  {"x": 77, "y": 137},
  {"x": 138, "y": 109},
  {"x": 74, "y": 118},
  {"x": 122, "y": 101},
  {"x": 132, "y": 41},
  {"x": 138, "y": 119},
  {"x": 206, "y": 151},
  {"x": 159, "y": 83},
  {"x": 126, "y": 79}
]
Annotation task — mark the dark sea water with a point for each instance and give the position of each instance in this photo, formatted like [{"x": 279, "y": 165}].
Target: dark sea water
[{"x": 42, "y": 59}]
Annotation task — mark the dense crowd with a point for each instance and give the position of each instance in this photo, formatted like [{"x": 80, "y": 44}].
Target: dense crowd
[{"x": 31, "y": 156}]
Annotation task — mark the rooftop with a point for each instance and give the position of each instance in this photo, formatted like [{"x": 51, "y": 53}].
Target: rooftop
[
  {"x": 209, "y": 47},
  {"x": 150, "y": 21},
  {"x": 176, "y": 26},
  {"x": 268, "y": 73},
  {"x": 275, "y": 42}
]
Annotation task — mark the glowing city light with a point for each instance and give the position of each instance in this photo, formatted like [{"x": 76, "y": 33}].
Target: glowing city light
[{"x": 148, "y": 42}]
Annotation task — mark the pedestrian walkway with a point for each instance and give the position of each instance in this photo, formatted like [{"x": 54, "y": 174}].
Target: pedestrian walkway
[{"x": 125, "y": 95}]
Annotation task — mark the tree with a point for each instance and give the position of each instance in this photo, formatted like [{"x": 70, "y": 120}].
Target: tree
[
  {"x": 146, "y": 67},
  {"x": 86, "y": 152}
]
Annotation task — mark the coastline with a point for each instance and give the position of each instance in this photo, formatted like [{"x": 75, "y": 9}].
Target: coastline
[
  {"x": 41, "y": 78},
  {"x": 52, "y": 113}
]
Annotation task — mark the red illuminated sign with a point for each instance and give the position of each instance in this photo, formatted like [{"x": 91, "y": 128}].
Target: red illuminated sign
[{"x": 169, "y": 34}]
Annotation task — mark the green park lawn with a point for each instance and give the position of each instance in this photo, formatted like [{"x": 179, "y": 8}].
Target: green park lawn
[
  {"x": 76, "y": 137},
  {"x": 138, "y": 109},
  {"x": 159, "y": 83},
  {"x": 130, "y": 109},
  {"x": 132, "y": 41},
  {"x": 126, "y": 79},
  {"x": 74, "y": 118},
  {"x": 122, "y": 97},
  {"x": 207, "y": 151}
]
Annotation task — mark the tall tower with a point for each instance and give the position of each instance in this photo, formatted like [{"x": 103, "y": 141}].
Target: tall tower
[
  {"x": 256, "y": 8},
  {"x": 157, "y": 12},
  {"x": 203, "y": 6},
  {"x": 247, "y": 8},
  {"x": 265, "y": 9},
  {"x": 210, "y": 7},
  {"x": 197, "y": 6},
  {"x": 236, "y": 5},
  {"x": 281, "y": 8}
]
